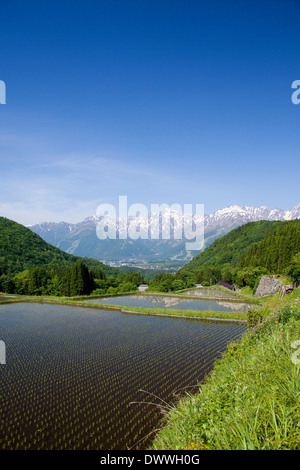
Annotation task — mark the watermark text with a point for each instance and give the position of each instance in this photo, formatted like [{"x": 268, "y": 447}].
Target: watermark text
[
  {"x": 2, "y": 92},
  {"x": 163, "y": 222},
  {"x": 296, "y": 94}
]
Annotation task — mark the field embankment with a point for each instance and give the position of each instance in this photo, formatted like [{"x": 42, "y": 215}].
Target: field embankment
[{"x": 84, "y": 301}]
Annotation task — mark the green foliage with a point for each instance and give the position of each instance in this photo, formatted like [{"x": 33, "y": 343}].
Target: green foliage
[
  {"x": 69, "y": 281},
  {"x": 166, "y": 282},
  {"x": 126, "y": 287},
  {"x": 30, "y": 266},
  {"x": 276, "y": 251},
  {"x": 225, "y": 252},
  {"x": 162, "y": 282},
  {"x": 178, "y": 284},
  {"x": 228, "y": 275},
  {"x": 249, "y": 277},
  {"x": 208, "y": 276},
  {"x": 245, "y": 254},
  {"x": 128, "y": 282},
  {"x": 76, "y": 280},
  {"x": 286, "y": 313},
  {"x": 254, "y": 316},
  {"x": 21, "y": 249},
  {"x": 294, "y": 269},
  {"x": 246, "y": 291},
  {"x": 6, "y": 284},
  {"x": 251, "y": 399}
]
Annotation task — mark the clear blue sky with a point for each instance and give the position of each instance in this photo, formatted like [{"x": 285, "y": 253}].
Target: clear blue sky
[{"x": 165, "y": 101}]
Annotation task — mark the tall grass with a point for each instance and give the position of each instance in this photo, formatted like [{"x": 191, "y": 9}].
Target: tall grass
[{"x": 251, "y": 400}]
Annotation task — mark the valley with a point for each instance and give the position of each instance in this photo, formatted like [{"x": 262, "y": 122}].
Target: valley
[
  {"x": 80, "y": 239},
  {"x": 86, "y": 334}
]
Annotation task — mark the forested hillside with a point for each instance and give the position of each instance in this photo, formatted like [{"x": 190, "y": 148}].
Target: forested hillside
[
  {"x": 241, "y": 257},
  {"x": 22, "y": 249},
  {"x": 30, "y": 266},
  {"x": 276, "y": 251},
  {"x": 226, "y": 251},
  {"x": 247, "y": 252}
]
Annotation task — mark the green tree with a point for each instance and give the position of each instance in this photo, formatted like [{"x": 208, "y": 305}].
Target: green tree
[
  {"x": 250, "y": 277},
  {"x": 81, "y": 281},
  {"x": 127, "y": 287},
  {"x": 177, "y": 284},
  {"x": 38, "y": 279},
  {"x": 7, "y": 284},
  {"x": 294, "y": 269}
]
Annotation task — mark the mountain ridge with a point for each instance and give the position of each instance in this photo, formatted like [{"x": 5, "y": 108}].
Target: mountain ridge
[
  {"x": 80, "y": 238},
  {"x": 21, "y": 249}
]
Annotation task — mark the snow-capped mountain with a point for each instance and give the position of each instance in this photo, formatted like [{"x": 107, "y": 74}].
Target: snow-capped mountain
[
  {"x": 229, "y": 216},
  {"x": 151, "y": 237}
]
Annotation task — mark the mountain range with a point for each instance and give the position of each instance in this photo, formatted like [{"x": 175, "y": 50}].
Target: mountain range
[{"x": 81, "y": 239}]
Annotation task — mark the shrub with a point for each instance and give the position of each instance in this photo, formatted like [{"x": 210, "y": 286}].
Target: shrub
[
  {"x": 254, "y": 316},
  {"x": 288, "y": 312},
  {"x": 99, "y": 292}
]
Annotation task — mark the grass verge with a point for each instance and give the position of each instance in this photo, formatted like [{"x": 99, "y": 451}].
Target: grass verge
[{"x": 251, "y": 400}]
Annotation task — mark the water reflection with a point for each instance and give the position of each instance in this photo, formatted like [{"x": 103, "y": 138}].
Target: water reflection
[
  {"x": 158, "y": 301},
  {"x": 210, "y": 292}
]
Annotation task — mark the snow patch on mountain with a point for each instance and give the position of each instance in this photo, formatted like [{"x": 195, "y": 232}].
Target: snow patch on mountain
[{"x": 83, "y": 237}]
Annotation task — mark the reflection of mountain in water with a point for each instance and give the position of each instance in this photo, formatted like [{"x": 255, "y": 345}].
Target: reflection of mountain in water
[
  {"x": 173, "y": 301},
  {"x": 176, "y": 302},
  {"x": 167, "y": 301},
  {"x": 209, "y": 292},
  {"x": 235, "y": 305}
]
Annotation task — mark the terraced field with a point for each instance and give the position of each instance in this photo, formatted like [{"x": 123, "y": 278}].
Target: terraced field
[
  {"x": 73, "y": 376},
  {"x": 169, "y": 302}
]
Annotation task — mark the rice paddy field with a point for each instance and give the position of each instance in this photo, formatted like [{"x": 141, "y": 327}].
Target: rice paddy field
[
  {"x": 84, "y": 378},
  {"x": 171, "y": 302},
  {"x": 211, "y": 292}
]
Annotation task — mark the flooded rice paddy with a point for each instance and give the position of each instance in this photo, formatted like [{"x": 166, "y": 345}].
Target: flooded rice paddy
[
  {"x": 170, "y": 302},
  {"x": 72, "y": 374}
]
